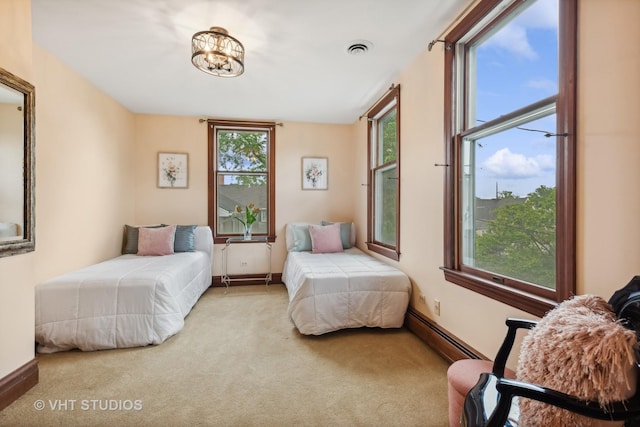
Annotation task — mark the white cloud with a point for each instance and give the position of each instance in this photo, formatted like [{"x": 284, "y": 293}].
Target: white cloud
[
  {"x": 513, "y": 37},
  {"x": 546, "y": 162},
  {"x": 505, "y": 164}
]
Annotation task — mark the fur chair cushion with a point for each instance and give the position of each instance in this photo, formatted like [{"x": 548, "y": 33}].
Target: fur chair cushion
[{"x": 581, "y": 349}]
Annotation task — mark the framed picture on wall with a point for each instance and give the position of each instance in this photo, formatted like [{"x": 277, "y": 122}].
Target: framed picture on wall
[
  {"x": 173, "y": 170},
  {"x": 315, "y": 173}
]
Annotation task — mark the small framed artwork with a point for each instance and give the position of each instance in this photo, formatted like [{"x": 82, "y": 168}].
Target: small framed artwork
[
  {"x": 315, "y": 173},
  {"x": 173, "y": 170}
]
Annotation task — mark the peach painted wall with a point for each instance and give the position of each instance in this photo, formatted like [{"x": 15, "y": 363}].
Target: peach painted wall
[
  {"x": 608, "y": 155},
  {"x": 170, "y": 205},
  {"x": 189, "y": 206},
  {"x": 84, "y": 170},
  {"x": 608, "y": 145}
]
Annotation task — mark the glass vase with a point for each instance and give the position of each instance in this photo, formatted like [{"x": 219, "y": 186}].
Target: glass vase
[{"x": 247, "y": 232}]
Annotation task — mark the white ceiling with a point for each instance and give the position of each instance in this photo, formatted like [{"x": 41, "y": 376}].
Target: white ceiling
[{"x": 296, "y": 63}]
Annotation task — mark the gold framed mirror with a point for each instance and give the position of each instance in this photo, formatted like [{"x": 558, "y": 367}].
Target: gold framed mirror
[{"x": 17, "y": 165}]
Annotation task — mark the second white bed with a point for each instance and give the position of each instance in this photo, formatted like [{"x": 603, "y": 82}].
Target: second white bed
[{"x": 349, "y": 289}]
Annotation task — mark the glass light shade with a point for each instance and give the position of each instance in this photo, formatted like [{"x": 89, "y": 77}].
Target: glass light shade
[{"x": 216, "y": 52}]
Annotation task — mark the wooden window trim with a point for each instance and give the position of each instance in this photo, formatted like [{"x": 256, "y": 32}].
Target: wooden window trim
[
  {"x": 536, "y": 304},
  {"x": 212, "y": 165},
  {"x": 389, "y": 251}
]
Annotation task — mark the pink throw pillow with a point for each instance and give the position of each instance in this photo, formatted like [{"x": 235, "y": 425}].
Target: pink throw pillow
[
  {"x": 156, "y": 241},
  {"x": 325, "y": 238}
]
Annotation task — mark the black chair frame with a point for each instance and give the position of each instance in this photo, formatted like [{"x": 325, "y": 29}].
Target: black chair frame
[{"x": 474, "y": 412}]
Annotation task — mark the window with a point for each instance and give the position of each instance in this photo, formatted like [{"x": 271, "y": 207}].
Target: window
[
  {"x": 383, "y": 235},
  {"x": 510, "y": 134},
  {"x": 241, "y": 172}
]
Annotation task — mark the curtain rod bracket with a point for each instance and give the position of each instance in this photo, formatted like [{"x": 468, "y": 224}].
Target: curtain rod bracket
[
  {"x": 392, "y": 87},
  {"x": 457, "y": 18},
  {"x": 432, "y": 42}
]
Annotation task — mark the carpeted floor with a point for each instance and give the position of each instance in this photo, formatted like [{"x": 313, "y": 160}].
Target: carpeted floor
[{"x": 239, "y": 361}]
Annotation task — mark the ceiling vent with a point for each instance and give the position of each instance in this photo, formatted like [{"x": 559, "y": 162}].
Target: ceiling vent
[{"x": 359, "y": 47}]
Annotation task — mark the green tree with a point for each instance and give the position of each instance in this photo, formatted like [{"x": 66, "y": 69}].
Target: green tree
[
  {"x": 242, "y": 152},
  {"x": 389, "y": 178},
  {"x": 521, "y": 241},
  {"x": 389, "y": 127}
]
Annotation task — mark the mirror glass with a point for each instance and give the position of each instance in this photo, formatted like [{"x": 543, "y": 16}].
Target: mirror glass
[{"x": 16, "y": 165}]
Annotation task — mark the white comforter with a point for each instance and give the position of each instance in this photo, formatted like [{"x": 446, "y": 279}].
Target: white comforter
[
  {"x": 127, "y": 301},
  {"x": 349, "y": 289}
]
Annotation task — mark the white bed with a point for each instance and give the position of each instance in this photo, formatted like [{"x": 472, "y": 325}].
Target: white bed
[
  {"x": 349, "y": 289},
  {"x": 127, "y": 301}
]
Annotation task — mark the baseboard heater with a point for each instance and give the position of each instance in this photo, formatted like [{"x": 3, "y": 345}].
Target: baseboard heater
[{"x": 447, "y": 345}]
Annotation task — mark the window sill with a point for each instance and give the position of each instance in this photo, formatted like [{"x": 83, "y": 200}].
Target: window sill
[
  {"x": 387, "y": 252},
  {"x": 530, "y": 303}
]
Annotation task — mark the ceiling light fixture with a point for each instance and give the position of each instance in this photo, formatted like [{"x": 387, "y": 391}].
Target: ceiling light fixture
[{"x": 216, "y": 52}]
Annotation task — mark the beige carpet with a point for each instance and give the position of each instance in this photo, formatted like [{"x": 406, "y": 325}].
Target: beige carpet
[{"x": 239, "y": 361}]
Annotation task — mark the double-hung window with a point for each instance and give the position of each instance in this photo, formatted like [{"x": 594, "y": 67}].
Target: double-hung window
[
  {"x": 510, "y": 134},
  {"x": 383, "y": 234},
  {"x": 241, "y": 174}
]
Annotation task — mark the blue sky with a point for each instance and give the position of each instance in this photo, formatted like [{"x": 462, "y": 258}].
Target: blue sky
[{"x": 516, "y": 67}]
